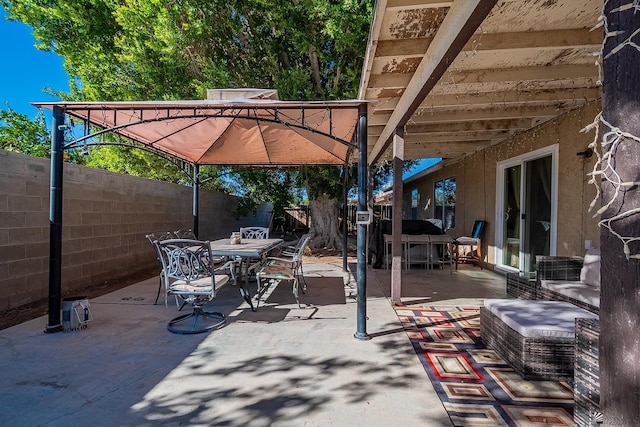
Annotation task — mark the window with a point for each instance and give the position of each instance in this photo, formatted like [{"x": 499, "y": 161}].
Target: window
[
  {"x": 445, "y": 202},
  {"x": 415, "y": 197}
]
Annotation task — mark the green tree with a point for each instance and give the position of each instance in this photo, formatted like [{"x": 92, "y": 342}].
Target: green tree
[
  {"x": 260, "y": 185},
  {"x": 155, "y": 50},
  {"x": 21, "y": 134}
]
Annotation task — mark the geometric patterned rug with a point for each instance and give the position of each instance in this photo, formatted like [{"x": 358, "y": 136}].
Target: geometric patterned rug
[{"x": 476, "y": 386}]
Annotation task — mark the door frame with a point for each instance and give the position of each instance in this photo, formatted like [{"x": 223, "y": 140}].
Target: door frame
[{"x": 553, "y": 151}]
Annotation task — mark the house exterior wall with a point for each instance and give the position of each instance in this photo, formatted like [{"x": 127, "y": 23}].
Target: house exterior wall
[
  {"x": 476, "y": 183},
  {"x": 105, "y": 219}
]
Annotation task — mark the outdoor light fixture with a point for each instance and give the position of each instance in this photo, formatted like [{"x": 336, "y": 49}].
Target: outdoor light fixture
[
  {"x": 363, "y": 217},
  {"x": 586, "y": 153}
]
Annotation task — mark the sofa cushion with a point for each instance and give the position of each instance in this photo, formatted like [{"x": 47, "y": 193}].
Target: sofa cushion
[
  {"x": 576, "y": 290},
  {"x": 538, "y": 319},
  {"x": 590, "y": 273}
]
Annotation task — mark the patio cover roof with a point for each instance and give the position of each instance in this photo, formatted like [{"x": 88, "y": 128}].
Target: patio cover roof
[
  {"x": 227, "y": 132},
  {"x": 462, "y": 75}
]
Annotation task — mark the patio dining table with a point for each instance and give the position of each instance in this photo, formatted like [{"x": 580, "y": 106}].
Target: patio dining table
[{"x": 247, "y": 250}]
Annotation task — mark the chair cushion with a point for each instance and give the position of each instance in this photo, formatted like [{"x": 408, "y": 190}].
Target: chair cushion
[
  {"x": 467, "y": 241},
  {"x": 573, "y": 289},
  {"x": 276, "y": 271},
  {"x": 590, "y": 273},
  {"x": 538, "y": 319},
  {"x": 199, "y": 286}
]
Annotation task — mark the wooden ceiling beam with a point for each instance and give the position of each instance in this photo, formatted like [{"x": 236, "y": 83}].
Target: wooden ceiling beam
[
  {"x": 531, "y": 114},
  {"x": 552, "y": 39},
  {"x": 403, "y": 47},
  {"x": 463, "y": 127},
  {"x": 515, "y": 86},
  {"x": 502, "y": 97},
  {"x": 451, "y": 146},
  {"x": 548, "y": 39},
  {"x": 519, "y": 74},
  {"x": 443, "y": 137},
  {"x": 444, "y": 116},
  {"x": 417, "y": 4},
  {"x": 459, "y": 25},
  {"x": 507, "y": 99},
  {"x": 387, "y": 96},
  {"x": 378, "y": 119},
  {"x": 374, "y": 35},
  {"x": 536, "y": 72},
  {"x": 442, "y": 151}
]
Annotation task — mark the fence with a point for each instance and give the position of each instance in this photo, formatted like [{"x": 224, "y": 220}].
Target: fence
[{"x": 105, "y": 219}]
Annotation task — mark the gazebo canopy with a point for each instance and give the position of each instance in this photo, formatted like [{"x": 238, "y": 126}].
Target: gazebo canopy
[{"x": 244, "y": 131}]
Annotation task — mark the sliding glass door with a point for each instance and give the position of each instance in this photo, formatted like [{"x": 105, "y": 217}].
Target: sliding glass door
[
  {"x": 511, "y": 217},
  {"x": 537, "y": 220},
  {"x": 526, "y": 225}
]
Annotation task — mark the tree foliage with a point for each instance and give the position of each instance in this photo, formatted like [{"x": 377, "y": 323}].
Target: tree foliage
[
  {"x": 260, "y": 185},
  {"x": 149, "y": 49},
  {"x": 21, "y": 134},
  {"x": 158, "y": 50}
]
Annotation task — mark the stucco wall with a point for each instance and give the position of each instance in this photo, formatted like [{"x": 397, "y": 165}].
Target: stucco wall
[
  {"x": 105, "y": 219},
  {"x": 476, "y": 183}
]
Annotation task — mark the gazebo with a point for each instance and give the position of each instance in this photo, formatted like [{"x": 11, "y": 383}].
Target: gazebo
[{"x": 248, "y": 127}]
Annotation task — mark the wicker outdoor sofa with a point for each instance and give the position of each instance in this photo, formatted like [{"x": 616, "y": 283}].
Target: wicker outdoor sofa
[
  {"x": 572, "y": 279},
  {"x": 536, "y": 337},
  {"x": 563, "y": 280}
]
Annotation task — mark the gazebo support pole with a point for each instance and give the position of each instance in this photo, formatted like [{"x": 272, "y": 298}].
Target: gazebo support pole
[
  {"x": 196, "y": 197},
  {"x": 55, "y": 220},
  {"x": 361, "y": 332},
  {"x": 345, "y": 212}
]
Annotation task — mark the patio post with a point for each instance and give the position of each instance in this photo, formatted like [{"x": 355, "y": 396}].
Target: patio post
[
  {"x": 196, "y": 198},
  {"x": 345, "y": 213},
  {"x": 361, "y": 332},
  {"x": 619, "y": 346},
  {"x": 396, "y": 220},
  {"x": 55, "y": 220}
]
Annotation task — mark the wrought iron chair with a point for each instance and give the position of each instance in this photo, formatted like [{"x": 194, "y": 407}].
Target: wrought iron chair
[
  {"x": 189, "y": 234},
  {"x": 185, "y": 234},
  {"x": 284, "y": 267},
  {"x": 473, "y": 243},
  {"x": 290, "y": 251},
  {"x": 254, "y": 232},
  {"x": 279, "y": 223},
  {"x": 154, "y": 238},
  {"x": 190, "y": 274}
]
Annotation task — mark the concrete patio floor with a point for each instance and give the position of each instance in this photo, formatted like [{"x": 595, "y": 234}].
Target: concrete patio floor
[{"x": 279, "y": 366}]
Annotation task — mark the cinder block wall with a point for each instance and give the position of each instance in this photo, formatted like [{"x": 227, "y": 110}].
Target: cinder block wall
[{"x": 105, "y": 219}]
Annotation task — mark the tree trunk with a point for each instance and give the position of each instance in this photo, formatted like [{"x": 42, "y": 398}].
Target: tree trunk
[
  {"x": 315, "y": 69},
  {"x": 620, "y": 293},
  {"x": 324, "y": 227}
]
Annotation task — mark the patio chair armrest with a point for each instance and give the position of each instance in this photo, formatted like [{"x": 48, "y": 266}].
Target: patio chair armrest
[
  {"x": 230, "y": 266},
  {"x": 280, "y": 261},
  {"x": 289, "y": 248}
]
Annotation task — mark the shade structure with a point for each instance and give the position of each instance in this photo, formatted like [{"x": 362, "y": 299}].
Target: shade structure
[
  {"x": 258, "y": 132},
  {"x": 232, "y": 132}
]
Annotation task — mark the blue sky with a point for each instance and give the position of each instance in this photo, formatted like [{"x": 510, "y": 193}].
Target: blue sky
[
  {"x": 422, "y": 165},
  {"x": 26, "y": 71}
]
